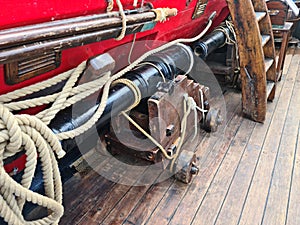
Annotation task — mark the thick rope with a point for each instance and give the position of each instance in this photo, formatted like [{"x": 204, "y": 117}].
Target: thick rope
[
  {"x": 31, "y": 135},
  {"x": 135, "y": 90},
  {"x": 36, "y": 140},
  {"x": 67, "y": 97},
  {"x": 38, "y": 86},
  {"x": 76, "y": 94},
  {"x": 124, "y": 21}
]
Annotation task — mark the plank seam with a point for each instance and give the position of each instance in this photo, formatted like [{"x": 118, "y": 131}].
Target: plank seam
[{"x": 259, "y": 156}]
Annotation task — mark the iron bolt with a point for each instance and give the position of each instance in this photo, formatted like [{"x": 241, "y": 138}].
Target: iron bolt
[{"x": 170, "y": 130}]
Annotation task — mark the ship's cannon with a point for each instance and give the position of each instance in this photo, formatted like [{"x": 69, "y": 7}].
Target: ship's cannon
[
  {"x": 162, "y": 90},
  {"x": 211, "y": 42}
]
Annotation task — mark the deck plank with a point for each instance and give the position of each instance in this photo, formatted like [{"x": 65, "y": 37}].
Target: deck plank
[
  {"x": 98, "y": 210},
  {"x": 148, "y": 203},
  {"x": 95, "y": 191},
  {"x": 288, "y": 59},
  {"x": 214, "y": 196},
  {"x": 238, "y": 188},
  {"x": 80, "y": 193},
  {"x": 276, "y": 208},
  {"x": 233, "y": 203},
  {"x": 293, "y": 214},
  {"x": 253, "y": 209},
  {"x": 125, "y": 205}
]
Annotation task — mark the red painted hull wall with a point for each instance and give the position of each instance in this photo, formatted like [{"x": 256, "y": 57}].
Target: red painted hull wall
[{"x": 15, "y": 13}]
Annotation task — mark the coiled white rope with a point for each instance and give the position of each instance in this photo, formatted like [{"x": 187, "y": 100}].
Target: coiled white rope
[{"x": 27, "y": 133}]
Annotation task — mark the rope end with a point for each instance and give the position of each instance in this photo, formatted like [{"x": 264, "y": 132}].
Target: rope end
[
  {"x": 162, "y": 14},
  {"x": 110, "y": 5},
  {"x": 61, "y": 154},
  {"x": 212, "y": 16}
]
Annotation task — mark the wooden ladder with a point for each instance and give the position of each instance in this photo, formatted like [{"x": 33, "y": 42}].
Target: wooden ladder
[{"x": 257, "y": 55}]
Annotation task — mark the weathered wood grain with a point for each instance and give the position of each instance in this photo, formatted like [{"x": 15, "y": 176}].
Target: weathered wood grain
[
  {"x": 212, "y": 202},
  {"x": 233, "y": 203},
  {"x": 276, "y": 208},
  {"x": 253, "y": 210}
]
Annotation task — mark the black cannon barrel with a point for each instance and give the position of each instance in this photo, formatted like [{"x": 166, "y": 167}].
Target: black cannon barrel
[
  {"x": 210, "y": 43},
  {"x": 170, "y": 62}
]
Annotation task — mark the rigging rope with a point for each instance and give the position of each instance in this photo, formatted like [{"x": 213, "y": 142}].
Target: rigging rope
[
  {"x": 135, "y": 90},
  {"x": 124, "y": 21},
  {"x": 229, "y": 40},
  {"x": 31, "y": 135}
]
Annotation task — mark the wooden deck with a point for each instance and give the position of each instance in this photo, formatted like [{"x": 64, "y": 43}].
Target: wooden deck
[{"x": 250, "y": 177}]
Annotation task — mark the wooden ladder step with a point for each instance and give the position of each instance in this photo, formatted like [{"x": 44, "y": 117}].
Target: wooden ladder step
[
  {"x": 260, "y": 15},
  {"x": 270, "y": 86},
  {"x": 268, "y": 62},
  {"x": 265, "y": 39}
]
